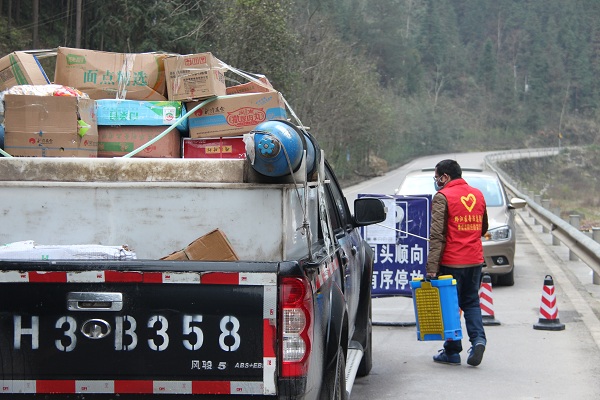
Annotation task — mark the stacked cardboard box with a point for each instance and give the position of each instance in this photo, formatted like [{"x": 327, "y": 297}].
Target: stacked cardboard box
[
  {"x": 125, "y": 125},
  {"x": 216, "y": 126},
  {"x": 234, "y": 115},
  {"x": 260, "y": 86},
  {"x": 219, "y": 112},
  {"x": 117, "y": 141},
  {"x": 21, "y": 68},
  {"x": 106, "y": 75},
  {"x": 50, "y": 126},
  {"x": 131, "y": 91},
  {"x": 134, "y": 112},
  {"x": 220, "y": 147},
  {"x": 194, "y": 77}
]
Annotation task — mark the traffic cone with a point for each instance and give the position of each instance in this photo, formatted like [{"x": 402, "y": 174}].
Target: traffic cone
[
  {"x": 548, "y": 309},
  {"x": 486, "y": 301}
]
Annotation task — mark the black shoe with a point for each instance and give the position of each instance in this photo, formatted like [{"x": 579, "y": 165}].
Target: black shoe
[
  {"x": 445, "y": 358},
  {"x": 476, "y": 354}
]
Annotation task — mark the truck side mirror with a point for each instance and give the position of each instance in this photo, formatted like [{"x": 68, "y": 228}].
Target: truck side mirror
[{"x": 368, "y": 210}]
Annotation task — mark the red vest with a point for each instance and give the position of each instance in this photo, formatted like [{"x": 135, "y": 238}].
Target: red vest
[{"x": 466, "y": 207}]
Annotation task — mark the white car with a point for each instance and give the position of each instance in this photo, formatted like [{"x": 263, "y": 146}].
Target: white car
[{"x": 500, "y": 240}]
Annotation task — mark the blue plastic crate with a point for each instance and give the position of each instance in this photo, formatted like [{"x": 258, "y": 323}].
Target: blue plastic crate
[{"x": 436, "y": 309}]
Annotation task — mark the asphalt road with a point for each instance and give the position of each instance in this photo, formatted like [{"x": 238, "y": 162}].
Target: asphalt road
[{"x": 520, "y": 362}]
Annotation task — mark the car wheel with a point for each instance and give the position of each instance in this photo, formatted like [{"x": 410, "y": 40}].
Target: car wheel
[
  {"x": 335, "y": 381},
  {"x": 507, "y": 279}
]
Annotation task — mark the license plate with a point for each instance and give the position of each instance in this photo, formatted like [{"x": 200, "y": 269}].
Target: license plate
[{"x": 161, "y": 332}]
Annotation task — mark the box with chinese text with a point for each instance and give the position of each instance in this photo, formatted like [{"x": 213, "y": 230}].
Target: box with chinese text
[
  {"x": 263, "y": 85},
  {"x": 106, "y": 75},
  {"x": 50, "y": 126},
  {"x": 139, "y": 112},
  {"x": 194, "y": 77},
  {"x": 234, "y": 115},
  {"x": 117, "y": 141},
  {"x": 222, "y": 147}
]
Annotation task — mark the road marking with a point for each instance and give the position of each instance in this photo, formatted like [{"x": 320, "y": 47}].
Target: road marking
[{"x": 581, "y": 305}]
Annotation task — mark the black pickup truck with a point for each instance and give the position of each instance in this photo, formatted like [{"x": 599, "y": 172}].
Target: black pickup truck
[{"x": 287, "y": 318}]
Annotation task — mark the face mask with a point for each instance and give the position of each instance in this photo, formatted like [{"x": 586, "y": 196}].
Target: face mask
[{"x": 437, "y": 185}]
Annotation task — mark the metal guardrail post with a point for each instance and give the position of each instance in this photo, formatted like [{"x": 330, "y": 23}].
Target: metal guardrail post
[
  {"x": 596, "y": 237},
  {"x": 575, "y": 221},
  {"x": 538, "y": 199},
  {"x": 555, "y": 240},
  {"x": 530, "y": 195},
  {"x": 546, "y": 205}
]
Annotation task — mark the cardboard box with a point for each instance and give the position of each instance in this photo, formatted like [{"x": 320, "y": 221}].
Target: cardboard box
[
  {"x": 49, "y": 126},
  {"x": 223, "y": 147},
  {"x": 106, "y": 75},
  {"x": 194, "y": 77},
  {"x": 213, "y": 246},
  {"x": 21, "y": 68},
  {"x": 139, "y": 112},
  {"x": 117, "y": 141},
  {"x": 235, "y": 115},
  {"x": 251, "y": 87}
]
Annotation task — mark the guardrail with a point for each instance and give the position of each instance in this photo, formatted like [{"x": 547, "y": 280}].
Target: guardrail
[{"x": 584, "y": 247}]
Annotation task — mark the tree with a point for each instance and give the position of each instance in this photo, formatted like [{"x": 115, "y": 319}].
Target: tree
[
  {"x": 36, "y": 14},
  {"x": 487, "y": 66},
  {"x": 269, "y": 44}
]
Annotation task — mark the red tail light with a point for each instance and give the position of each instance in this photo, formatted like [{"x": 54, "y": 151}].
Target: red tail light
[{"x": 296, "y": 322}]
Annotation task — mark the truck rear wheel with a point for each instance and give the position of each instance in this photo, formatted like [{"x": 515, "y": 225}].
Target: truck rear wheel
[{"x": 335, "y": 381}]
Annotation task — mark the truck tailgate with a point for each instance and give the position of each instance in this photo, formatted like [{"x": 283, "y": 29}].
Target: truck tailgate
[{"x": 108, "y": 330}]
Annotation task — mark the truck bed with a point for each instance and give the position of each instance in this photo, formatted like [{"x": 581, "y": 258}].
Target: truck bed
[{"x": 155, "y": 206}]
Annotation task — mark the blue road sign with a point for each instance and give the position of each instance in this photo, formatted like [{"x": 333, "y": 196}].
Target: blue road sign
[{"x": 400, "y": 243}]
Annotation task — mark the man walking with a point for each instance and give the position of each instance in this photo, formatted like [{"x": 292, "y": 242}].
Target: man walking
[{"x": 458, "y": 220}]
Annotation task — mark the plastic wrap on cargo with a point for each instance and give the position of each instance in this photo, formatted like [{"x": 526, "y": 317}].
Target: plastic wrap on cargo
[
  {"x": 28, "y": 250},
  {"x": 46, "y": 90},
  {"x": 248, "y": 139},
  {"x": 40, "y": 90}
]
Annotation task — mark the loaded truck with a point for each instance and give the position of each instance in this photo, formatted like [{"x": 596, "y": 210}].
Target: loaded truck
[{"x": 233, "y": 278}]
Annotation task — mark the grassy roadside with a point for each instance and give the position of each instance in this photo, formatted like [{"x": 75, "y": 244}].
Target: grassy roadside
[{"x": 570, "y": 180}]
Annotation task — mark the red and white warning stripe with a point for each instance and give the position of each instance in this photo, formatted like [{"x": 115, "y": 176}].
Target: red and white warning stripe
[
  {"x": 548, "y": 307},
  {"x": 207, "y": 278},
  {"x": 486, "y": 301},
  {"x": 132, "y": 387}
]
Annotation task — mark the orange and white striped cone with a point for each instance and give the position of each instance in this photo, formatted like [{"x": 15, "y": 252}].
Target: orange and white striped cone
[
  {"x": 486, "y": 301},
  {"x": 548, "y": 319}
]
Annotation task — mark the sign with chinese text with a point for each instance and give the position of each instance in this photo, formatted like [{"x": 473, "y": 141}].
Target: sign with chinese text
[{"x": 400, "y": 243}]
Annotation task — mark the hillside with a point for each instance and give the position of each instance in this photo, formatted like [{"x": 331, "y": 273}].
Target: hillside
[
  {"x": 571, "y": 180},
  {"x": 391, "y": 79}
]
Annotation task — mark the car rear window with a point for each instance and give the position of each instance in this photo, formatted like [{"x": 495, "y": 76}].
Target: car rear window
[{"x": 490, "y": 187}]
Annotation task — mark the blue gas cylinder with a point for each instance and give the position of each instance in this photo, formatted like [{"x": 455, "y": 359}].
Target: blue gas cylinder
[{"x": 279, "y": 146}]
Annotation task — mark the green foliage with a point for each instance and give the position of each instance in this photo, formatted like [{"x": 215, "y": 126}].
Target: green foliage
[
  {"x": 255, "y": 36},
  {"x": 487, "y": 66}
]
